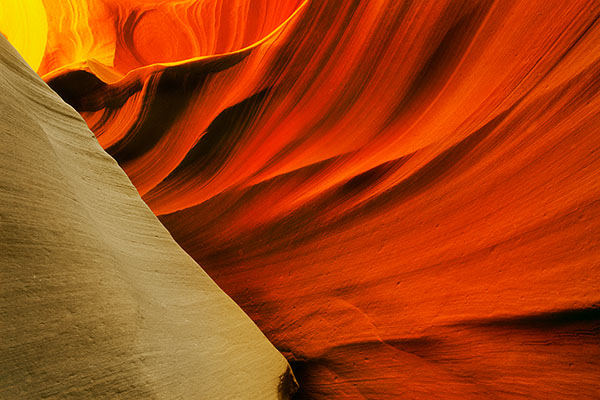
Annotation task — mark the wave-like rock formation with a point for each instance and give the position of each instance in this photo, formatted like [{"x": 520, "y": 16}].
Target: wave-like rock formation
[
  {"x": 96, "y": 299},
  {"x": 404, "y": 196}
]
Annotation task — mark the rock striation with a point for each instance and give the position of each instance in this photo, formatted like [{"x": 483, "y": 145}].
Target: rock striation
[
  {"x": 403, "y": 195},
  {"x": 96, "y": 298}
]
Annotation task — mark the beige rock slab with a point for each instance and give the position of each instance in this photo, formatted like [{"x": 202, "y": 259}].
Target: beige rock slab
[{"x": 96, "y": 299}]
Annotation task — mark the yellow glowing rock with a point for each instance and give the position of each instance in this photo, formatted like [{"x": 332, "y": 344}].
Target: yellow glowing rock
[{"x": 24, "y": 23}]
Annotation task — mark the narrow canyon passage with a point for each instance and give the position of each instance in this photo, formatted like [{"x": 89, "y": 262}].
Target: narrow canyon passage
[{"x": 404, "y": 196}]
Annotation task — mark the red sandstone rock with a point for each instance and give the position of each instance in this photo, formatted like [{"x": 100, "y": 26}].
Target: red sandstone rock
[{"x": 402, "y": 195}]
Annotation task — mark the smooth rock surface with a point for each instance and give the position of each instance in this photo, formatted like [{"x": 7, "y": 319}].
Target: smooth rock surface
[{"x": 96, "y": 299}]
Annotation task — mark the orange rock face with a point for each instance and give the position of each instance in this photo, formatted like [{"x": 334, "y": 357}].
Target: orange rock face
[{"x": 404, "y": 196}]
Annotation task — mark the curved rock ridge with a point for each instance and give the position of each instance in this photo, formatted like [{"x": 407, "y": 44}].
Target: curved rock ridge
[
  {"x": 96, "y": 299},
  {"x": 404, "y": 196},
  {"x": 113, "y": 37}
]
